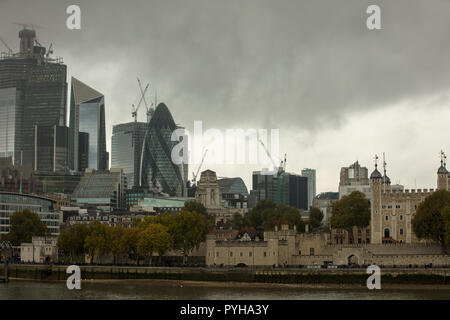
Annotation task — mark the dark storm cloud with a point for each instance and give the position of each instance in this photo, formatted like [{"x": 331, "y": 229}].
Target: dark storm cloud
[{"x": 293, "y": 64}]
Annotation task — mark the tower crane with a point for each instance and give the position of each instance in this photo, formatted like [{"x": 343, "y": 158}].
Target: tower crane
[
  {"x": 268, "y": 154},
  {"x": 149, "y": 109},
  {"x": 135, "y": 109},
  {"x": 7, "y": 47},
  {"x": 194, "y": 180}
]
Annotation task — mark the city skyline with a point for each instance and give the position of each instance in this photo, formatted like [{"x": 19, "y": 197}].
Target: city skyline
[{"x": 346, "y": 78}]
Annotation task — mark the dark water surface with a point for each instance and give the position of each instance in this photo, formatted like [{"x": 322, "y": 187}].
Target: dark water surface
[{"x": 171, "y": 291}]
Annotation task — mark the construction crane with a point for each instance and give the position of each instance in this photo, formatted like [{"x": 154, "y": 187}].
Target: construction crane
[
  {"x": 50, "y": 51},
  {"x": 148, "y": 108},
  {"x": 194, "y": 180},
  {"x": 135, "y": 109},
  {"x": 268, "y": 154},
  {"x": 279, "y": 194},
  {"x": 7, "y": 47},
  {"x": 28, "y": 25}
]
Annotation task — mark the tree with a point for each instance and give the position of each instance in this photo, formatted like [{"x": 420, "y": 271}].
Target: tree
[
  {"x": 188, "y": 231},
  {"x": 98, "y": 241},
  {"x": 72, "y": 240},
  {"x": 432, "y": 216},
  {"x": 315, "y": 217},
  {"x": 260, "y": 213},
  {"x": 196, "y": 206},
  {"x": 154, "y": 238},
  {"x": 24, "y": 226},
  {"x": 351, "y": 210},
  {"x": 128, "y": 243},
  {"x": 116, "y": 233}
]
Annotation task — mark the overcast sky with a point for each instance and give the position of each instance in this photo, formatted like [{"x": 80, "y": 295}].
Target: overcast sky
[{"x": 337, "y": 91}]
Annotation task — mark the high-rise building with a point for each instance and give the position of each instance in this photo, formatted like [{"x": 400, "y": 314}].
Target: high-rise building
[
  {"x": 283, "y": 187},
  {"x": 33, "y": 91},
  {"x": 311, "y": 175},
  {"x": 51, "y": 149},
  {"x": 83, "y": 151},
  {"x": 87, "y": 114},
  {"x": 126, "y": 149},
  {"x": 159, "y": 172},
  {"x": 354, "y": 178}
]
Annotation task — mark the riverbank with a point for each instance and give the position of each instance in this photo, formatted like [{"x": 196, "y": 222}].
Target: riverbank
[{"x": 315, "y": 278}]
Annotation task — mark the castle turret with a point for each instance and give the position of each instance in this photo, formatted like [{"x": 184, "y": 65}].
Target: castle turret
[
  {"x": 442, "y": 174},
  {"x": 376, "y": 180}
]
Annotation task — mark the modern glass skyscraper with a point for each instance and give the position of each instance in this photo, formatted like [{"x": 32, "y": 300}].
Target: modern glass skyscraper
[
  {"x": 126, "y": 149},
  {"x": 158, "y": 171},
  {"x": 33, "y": 92},
  {"x": 311, "y": 175},
  {"x": 87, "y": 114},
  {"x": 51, "y": 147}
]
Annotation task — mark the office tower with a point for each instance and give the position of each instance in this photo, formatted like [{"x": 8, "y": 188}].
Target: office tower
[
  {"x": 158, "y": 171},
  {"x": 282, "y": 188},
  {"x": 83, "y": 151},
  {"x": 234, "y": 192},
  {"x": 311, "y": 175},
  {"x": 102, "y": 189},
  {"x": 33, "y": 91},
  {"x": 354, "y": 178},
  {"x": 51, "y": 149},
  {"x": 87, "y": 114},
  {"x": 126, "y": 149}
]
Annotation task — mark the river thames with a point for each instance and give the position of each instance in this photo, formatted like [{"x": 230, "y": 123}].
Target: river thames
[{"x": 173, "y": 290}]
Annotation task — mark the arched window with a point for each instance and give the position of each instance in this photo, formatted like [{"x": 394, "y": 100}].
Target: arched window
[{"x": 386, "y": 233}]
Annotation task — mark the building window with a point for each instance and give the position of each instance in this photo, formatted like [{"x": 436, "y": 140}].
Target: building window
[
  {"x": 250, "y": 254},
  {"x": 359, "y": 240},
  {"x": 397, "y": 206},
  {"x": 217, "y": 254},
  {"x": 231, "y": 253},
  {"x": 401, "y": 232},
  {"x": 387, "y": 218},
  {"x": 311, "y": 251},
  {"x": 241, "y": 254},
  {"x": 265, "y": 254},
  {"x": 401, "y": 218}
]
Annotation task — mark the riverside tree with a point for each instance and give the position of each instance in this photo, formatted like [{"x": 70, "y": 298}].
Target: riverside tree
[
  {"x": 154, "y": 238},
  {"x": 98, "y": 241},
  {"x": 72, "y": 240},
  {"x": 24, "y": 226}
]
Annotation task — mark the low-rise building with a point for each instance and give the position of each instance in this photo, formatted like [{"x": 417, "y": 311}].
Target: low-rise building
[{"x": 40, "y": 250}]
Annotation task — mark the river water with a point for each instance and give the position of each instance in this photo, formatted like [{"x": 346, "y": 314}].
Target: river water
[{"x": 175, "y": 291}]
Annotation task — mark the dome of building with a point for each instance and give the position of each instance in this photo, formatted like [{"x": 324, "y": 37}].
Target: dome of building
[
  {"x": 386, "y": 179},
  {"x": 376, "y": 174},
  {"x": 442, "y": 170},
  {"x": 162, "y": 118}
]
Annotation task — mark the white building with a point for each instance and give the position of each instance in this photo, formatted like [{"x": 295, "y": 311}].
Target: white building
[{"x": 40, "y": 250}]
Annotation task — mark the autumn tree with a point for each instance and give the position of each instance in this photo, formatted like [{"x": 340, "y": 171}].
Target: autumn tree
[
  {"x": 24, "y": 226},
  {"x": 98, "y": 241},
  {"x": 72, "y": 240},
  {"x": 154, "y": 238}
]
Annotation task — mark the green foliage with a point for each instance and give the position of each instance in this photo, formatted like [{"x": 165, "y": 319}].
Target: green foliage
[
  {"x": 195, "y": 206},
  {"x": 315, "y": 217},
  {"x": 188, "y": 230},
  {"x": 351, "y": 210},
  {"x": 267, "y": 214},
  {"x": 431, "y": 220},
  {"x": 25, "y": 225},
  {"x": 72, "y": 240}
]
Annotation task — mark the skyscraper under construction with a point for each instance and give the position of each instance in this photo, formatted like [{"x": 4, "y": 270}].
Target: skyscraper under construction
[{"x": 33, "y": 92}]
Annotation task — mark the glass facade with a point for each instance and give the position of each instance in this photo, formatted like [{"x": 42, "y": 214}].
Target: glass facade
[
  {"x": 9, "y": 123},
  {"x": 87, "y": 114},
  {"x": 159, "y": 173},
  {"x": 126, "y": 149},
  {"x": 51, "y": 149},
  {"x": 12, "y": 202}
]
